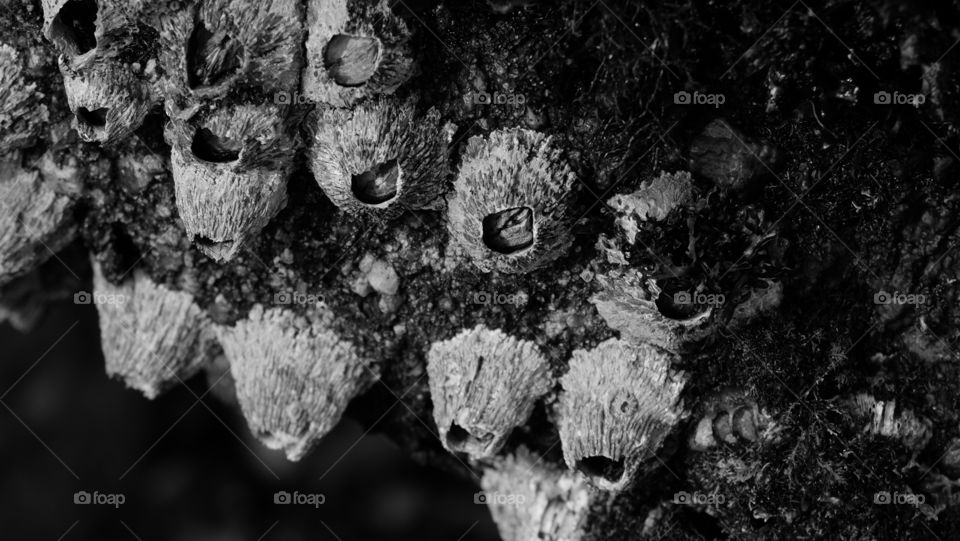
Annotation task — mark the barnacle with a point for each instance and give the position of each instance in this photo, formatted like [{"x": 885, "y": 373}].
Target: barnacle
[
  {"x": 619, "y": 402},
  {"x": 152, "y": 337},
  {"x": 484, "y": 383},
  {"x": 22, "y": 113},
  {"x": 380, "y": 157},
  {"x": 72, "y": 24},
  {"x": 294, "y": 378},
  {"x": 730, "y": 417},
  {"x": 652, "y": 201},
  {"x": 509, "y": 210},
  {"x": 882, "y": 419},
  {"x": 107, "y": 99},
  {"x": 230, "y": 169},
  {"x": 355, "y": 49},
  {"x": 531, "y": 499}
]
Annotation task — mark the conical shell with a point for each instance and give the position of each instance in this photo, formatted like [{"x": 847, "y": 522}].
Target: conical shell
[
  {"x": 484, "y": 383},
  {"x": 381, "y": 139},
  {"x": 108, "y": 100},
  {"x": 619, "y": 402},
  {"x": 152, "y": 337},
  {"x": 512, "y": 170},
  {"x": 294, "y": 378}
]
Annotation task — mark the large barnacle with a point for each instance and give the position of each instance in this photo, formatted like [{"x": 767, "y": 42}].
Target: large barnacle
[{"x": 509, "y": 210}]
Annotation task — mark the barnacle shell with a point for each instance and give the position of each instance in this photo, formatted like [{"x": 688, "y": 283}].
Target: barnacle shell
[
  {"x": 483, "y": 384},
  {"x": 153, "y": 337},
  {"x": 628, "y": 304},
  {"x": 294, "y": 378},
  {"x": 731, "y": 417},
  {"x": 652, "y": 201},
  {"x": 230, "y": 171},
  {"x": 109, "y": 102},
  {"x": 883, "y": 420},
  {"x": 619, "y": 402},
  {"x": 532, "y": 499},
  {"x": 35, "y": 219},
  {"x": 215, "y": 46},
  {"x": 380, "y": 157},
  {"x": 355, "y": 49},
  {"x": 509, "y": 207},
  {"x": 22, "y": 114}
]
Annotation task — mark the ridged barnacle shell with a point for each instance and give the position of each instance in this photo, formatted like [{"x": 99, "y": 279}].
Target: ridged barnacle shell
[
  {"x": 294, "y": 378},
  {"x": 35, "y": 218},
  {"x": 629, "y": 303},
  {"x": 153, "y": 337},
  {"x": 654, "y": 200},
  {"x": 730, "y": 417},
  {"x": 484, "y": 383},
  {"x": 22, "y": 114},
  {"x": 380, "y": 157},
  {"x": 78, "y": 27},
  {"x": 532, "y": 499},
  {"x": 619, "y": 402},
  {"x": 108, "y": 100},
  {"x": 509, "y": 210},
  {"x": 209, "y": 48},
  {"x": 230, "y": 171},
  {"x": 883, "y": 419},
  {"x": 355, "y": 49}
]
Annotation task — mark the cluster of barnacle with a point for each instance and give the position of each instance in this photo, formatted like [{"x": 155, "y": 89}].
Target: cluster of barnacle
[{"x": 731, "y": 417}]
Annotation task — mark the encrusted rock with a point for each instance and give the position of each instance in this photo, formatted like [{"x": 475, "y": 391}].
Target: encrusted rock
[
  {"x": 230, "y": 170},
  {"x": 619, "y": 402},
  {"x": 724, "y": 155},
  {"x": 380, "y": 158},
  {"x": 153, "y": 337},
  {"x": 509, "y": 210},
  {"x": 294, "y": 377},
  {"x": 355, "y": 49},
  {"x": 652, "y": 201},
  {"x": 484, "y": 383},
  {"x": 531, "y": 499}
]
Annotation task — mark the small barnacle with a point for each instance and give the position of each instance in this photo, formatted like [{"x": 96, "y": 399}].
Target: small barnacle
[
  {"x": 730, "y": 417},
  {"x": 724, "y": 155},
  {"x": 509, "y": 210},
  {"x": 542, "y": 502},
  {"x": 355, "y": 49},
  {"x": 209, "y": 49},
  {"x": 108, "y": 101},
  {"x": 484, "y": 383},
  {"x": 380, "y": 157},
  {"x": 153, "y": 337},
  {"x": 644, "y": 314},
  {"x": 294, "y": 378},
  {"x": 230, "y": 171},
  {"x": 652, "y": 201},
  {"x": 35, "y": 219},
  {"x": 883, "y": 420},
  {"x": 619, "y": 402},
  {"x": 71, "y": 24},
  {"x": 22, "y": 113}
]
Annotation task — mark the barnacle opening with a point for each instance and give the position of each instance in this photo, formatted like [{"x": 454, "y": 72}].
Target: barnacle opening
[
  {"x": 75, "y": 25},
  {"x": 211, "y": 57},
  {"x": 460, "y": 438},
  {"x": 96, "y": 118},
  {"x": 509, "y": 231},
  {"x": 216, "y": 249},
  {"x": 602, "y": 467},
  {"x": 377, "y": 185},
  {"x": 351, "y": 60},
  {"x": 673, "y": 306},
  {"x": 210, "y": 147}
]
